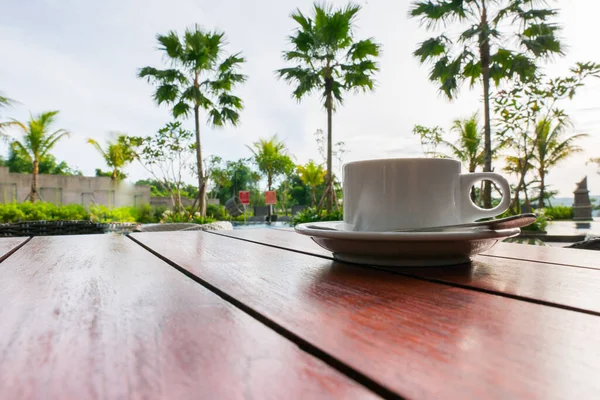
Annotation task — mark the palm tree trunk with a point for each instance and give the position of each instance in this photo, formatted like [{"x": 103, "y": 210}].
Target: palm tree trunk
[
  {"x": 329, "y": 151},
  {"x": 269, "y": 185},
  {"x": 314, "y": 196},
  {"x": 542, "y": 188},
  {"x": 114, "y": 175},
  {"x": 484, "y": 53},
  {"x": 34, "y": 182},
  {"x": 201, "y": 180}
]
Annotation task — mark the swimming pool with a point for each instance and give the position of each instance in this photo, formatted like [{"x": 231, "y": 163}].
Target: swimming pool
[{"x": 260, "y": 225}]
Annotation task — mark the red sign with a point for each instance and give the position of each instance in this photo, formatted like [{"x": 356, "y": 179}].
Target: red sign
[
  {"x": 270, "y": 197},
  {"x": 245, "y": 197}
]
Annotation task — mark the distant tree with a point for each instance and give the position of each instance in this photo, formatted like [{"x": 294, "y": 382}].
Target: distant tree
[
  {"x": 159, "y": 189},
  {"x": 232, "y": 176},
  {"x": 200, "y": 77},
  {"x": 313, "y": 176},
  {"x": 117, "y": 155},
  {"x": 480, "y": 53},
  {"x": 330, "y": 61},
  {"x": 37, "y": 142},
  {"x": 111, "y": 174},
  {"x": 524, "y": 106},
  {"x": 271, "y": 158},
  {"x": 19, "y": 163},
  {"x": 551, "y": 148},
  {"x": 166, "y": 156},
  {"x": 468, "y": 148}
]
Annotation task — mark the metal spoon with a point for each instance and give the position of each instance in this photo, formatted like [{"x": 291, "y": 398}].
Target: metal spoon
[{"x": 514, "y": 221}]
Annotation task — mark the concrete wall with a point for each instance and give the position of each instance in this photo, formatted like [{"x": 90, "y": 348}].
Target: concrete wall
[{"x": 59, "y": 189}]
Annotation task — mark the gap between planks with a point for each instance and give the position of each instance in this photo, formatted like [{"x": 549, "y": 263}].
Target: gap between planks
[
  {"x": 291, "y": 336},
  {"x": 419, "y": 277},
  {"x": 14, "y": 249}
]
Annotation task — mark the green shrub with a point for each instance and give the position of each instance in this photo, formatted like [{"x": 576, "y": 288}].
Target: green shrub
[
  {"x": 146, "y": 214},
  {"x": 559, "y": 213},
  {"x": 313, "y": 215},
  {"x": 72, "y": 212},
  {"x": 217, "y": 212},
  {"x": 100, "y": 213},
  {"x": 184, "y": 216},
  {"x": 11, "y": 213},
  {"x": 540, "y": 224}
]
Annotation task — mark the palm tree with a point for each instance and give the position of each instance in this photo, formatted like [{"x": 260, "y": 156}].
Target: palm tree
[
  {"x": 312, "y": 175},
  {"x": 200, "y": 77},
  {"x": 479, "y": 54},
  {"x": 270, "y": 156},
  {"x": 37, "y": 142},
  {"x": 550, "y": 149},
  {"x": 469, "y": 148},
  {"x": 117, "y": 154},
  {"x": 331, "y": 61}
]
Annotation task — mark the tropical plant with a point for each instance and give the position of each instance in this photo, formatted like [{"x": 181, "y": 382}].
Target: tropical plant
[
  {"x": 229, "y": 177},
  {"x": 37, "y": 142},
  {"x": 480, "y": 52},
  {"x": 271, "y": 159},
  {"x": 468, "y": 148},
  {"x": 117, "y": 154},
  {"x": 312, "y": 175},
  {"x": 200, "y": 77},
  {"x": 557, "y": 213},
  {"x": 551, "y": 148},
  {"x": 158, "y": 189},
  {"x": 166, "y": 156},
  {"x": 19, "y": 163},
  {"x": 521, "y": 109},
  {"x": 313, "y": 214},
  {"x": 329, "y": 59}
]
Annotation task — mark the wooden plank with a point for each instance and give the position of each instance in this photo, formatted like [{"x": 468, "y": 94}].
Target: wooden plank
[
  {"x": 547, "y": 254},
  {"x": 99, "y": 317},
  {"x": 421, "y": 339},
  {"x": 573, "y": 288},
  {"x": 8, "y": 245}
]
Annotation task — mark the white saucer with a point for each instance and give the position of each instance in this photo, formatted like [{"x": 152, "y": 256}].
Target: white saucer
[{"x": 403, "y": 249}]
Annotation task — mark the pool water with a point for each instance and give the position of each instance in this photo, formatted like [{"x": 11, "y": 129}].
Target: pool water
[{"x": 260, "y": 225}]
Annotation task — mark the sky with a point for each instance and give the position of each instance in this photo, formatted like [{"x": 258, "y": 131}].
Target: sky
[{"x": 81, "y": 57}]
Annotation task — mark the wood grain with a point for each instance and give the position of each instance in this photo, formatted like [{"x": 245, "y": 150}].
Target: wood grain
[
  {"x": 8, "y": 245},
  {"x": 547, "y": 254},
  {"x": 575, "y": 288},
  {"x": 420, "y": 339},
  {"x": 99, "y": 317}
]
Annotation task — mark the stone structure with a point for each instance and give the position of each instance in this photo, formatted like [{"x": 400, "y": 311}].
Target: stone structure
[
  {"x": 582, "y": 207},
  {"x": 61, "y": 189}
]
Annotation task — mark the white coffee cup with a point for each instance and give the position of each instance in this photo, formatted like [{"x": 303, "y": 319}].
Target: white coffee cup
[{"x": 384, "y": 195}]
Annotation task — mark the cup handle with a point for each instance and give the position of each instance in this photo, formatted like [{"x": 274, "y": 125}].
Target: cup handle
[{"x": 471, "y": 211}]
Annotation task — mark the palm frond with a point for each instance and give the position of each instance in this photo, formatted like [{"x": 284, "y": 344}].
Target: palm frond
[
  {"x": 363, "y": 49},
  {"x": 171, "y": 45},
  {"x": 98, "y": 147},
  {"x": 433, "y": 12},
  {"x": 49, "y": 142},
  {"x": 181, "y": 108},
  {"x": 22, "y": 150},
  {"x": 432, "y": 49}
]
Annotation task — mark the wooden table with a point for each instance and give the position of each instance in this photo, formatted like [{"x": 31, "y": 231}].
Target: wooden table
[{"x": 267, "y": 314}]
